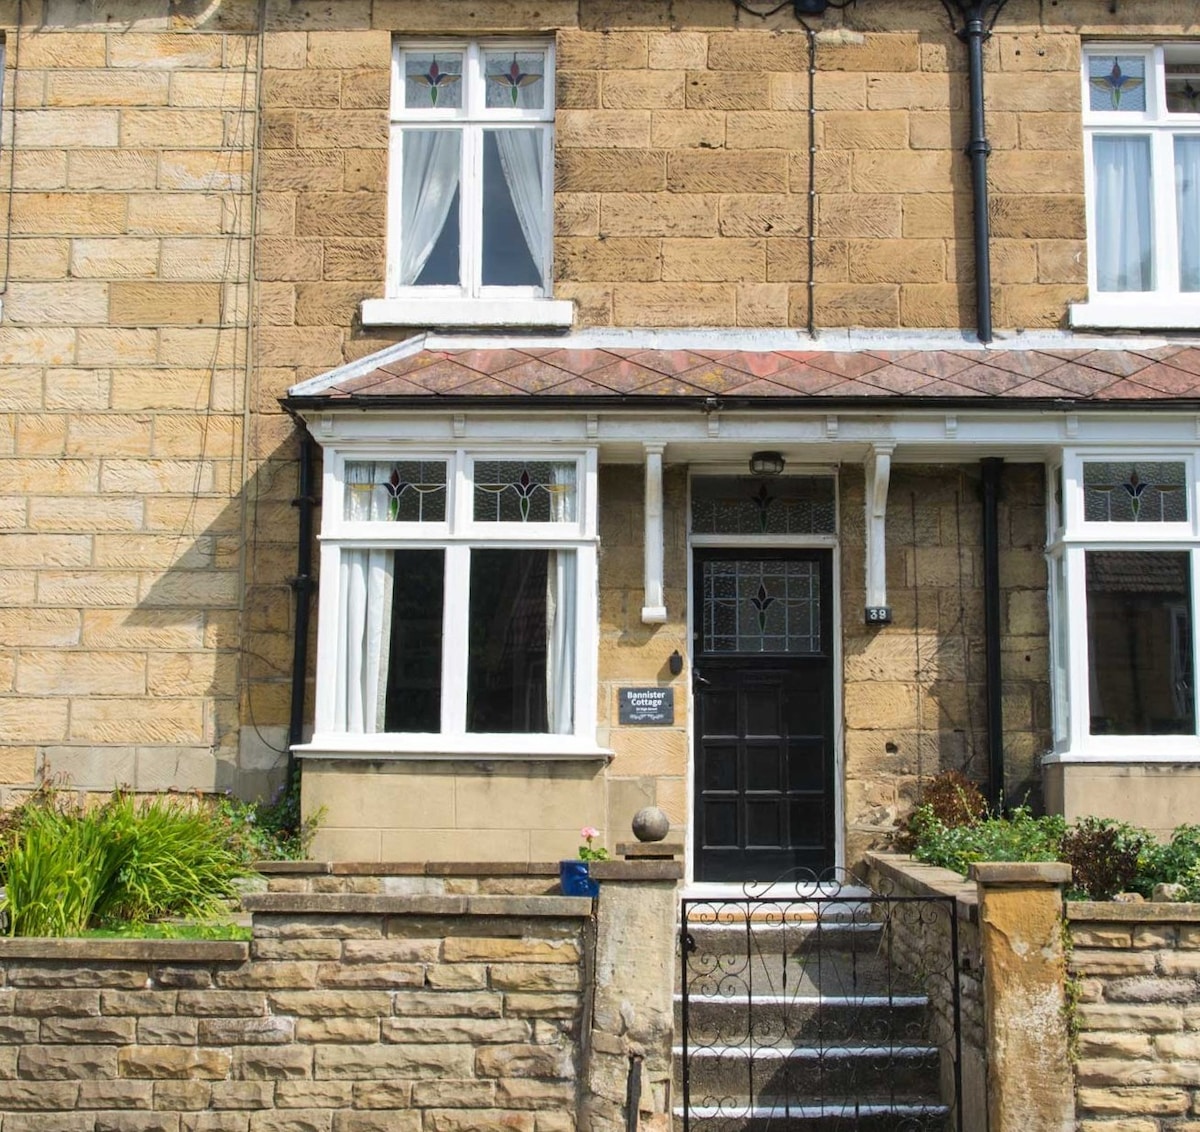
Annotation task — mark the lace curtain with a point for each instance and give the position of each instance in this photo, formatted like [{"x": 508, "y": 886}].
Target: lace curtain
[{"x": 1124, "y": 225}]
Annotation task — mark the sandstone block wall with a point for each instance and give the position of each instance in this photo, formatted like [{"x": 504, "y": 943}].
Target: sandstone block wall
[
  {"x": 431, "y": 1016},
  {"x": 914, "y": 690},
  {"x": 1138, "y": 1013}
]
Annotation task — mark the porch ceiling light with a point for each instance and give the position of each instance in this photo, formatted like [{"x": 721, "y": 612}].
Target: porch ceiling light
[{"x": 767, "y": 463}]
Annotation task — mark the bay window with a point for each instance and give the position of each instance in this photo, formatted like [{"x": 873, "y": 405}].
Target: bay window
[
  {"x": 1123, "y": 574},
  {"x": 463, "y": 614},
  {"x": 1142, "y": 175}
]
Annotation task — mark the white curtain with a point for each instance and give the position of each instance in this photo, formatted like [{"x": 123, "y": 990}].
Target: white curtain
[
  {"x": 1187, "y": 201},
  {"x": 362, "y": 480},
  {"x": 428, "y": 180},
  {"x": 560, "y": 641},
  {"x": 1124, "y": 226},
  {"x": 521, "y": 159},
  {"x": 365, "y": 641}
]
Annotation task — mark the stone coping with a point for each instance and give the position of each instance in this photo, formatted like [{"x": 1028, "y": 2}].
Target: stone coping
[
  {"x": 408, "y": 868},
  {"x": 1152, "y": 912},
  {"x": 657, "y": 850},
  {"x": 125, "y": 950},
  {"x": 356, "y": 904},
  {"x": 1020, "y": 872},
  {"x": 929, "y": 880},
  {"x": 643, "y": 870}
]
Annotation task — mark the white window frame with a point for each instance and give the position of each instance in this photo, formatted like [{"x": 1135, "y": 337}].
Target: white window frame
[
  {"x": 1165, "y": 306},
  {"x": 471, "y": 303},
  {"x": 1070, "y": 544},
  {"x": 457, "y": 536}
]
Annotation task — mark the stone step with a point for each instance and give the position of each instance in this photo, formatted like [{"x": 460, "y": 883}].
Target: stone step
[
  {"x": 867, "y": 1073},
  {"x": 714, "y": 1019}
]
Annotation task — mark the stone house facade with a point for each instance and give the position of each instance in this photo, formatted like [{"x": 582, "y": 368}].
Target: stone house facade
[{"x": 539, "y": 280}]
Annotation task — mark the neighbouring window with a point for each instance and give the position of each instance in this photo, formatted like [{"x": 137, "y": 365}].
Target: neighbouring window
[
  {"x": 465, "y": 585},
  {"x": 472, "y": 164},
  {"x": 1123, "y": 571},
  {"x": 1142, "y": 152}
]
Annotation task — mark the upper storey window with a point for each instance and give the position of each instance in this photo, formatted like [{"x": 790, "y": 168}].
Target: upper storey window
[
  {"x": 471, "y": 189},
  {"x": 1142, "y": 152}
]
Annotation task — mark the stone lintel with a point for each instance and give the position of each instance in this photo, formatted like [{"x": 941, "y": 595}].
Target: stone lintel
[
  {"x": 357, "y": 904},
  {"x": 1147, "y": 912},
  {"x": 1025, "y": 873},
  {"x": 636, "y": 870},
  {"x": 125, "y": 950}
]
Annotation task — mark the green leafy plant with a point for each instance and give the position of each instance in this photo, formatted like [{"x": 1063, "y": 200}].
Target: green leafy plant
[
  {"x": 586, "y": 852},
  {"x": 1020, "y": 837},
  {"x": 1174, "y": 862},
  {"x": 274, "y": 830}
]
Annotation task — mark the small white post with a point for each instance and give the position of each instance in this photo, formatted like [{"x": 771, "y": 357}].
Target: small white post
[{"x": 654, "y": 611}]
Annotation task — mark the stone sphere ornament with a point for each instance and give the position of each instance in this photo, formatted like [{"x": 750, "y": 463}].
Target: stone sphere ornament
[{"x": 651, "y": 824}]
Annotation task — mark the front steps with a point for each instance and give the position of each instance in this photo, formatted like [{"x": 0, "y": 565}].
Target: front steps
[{"x": 804, "y": 1023}]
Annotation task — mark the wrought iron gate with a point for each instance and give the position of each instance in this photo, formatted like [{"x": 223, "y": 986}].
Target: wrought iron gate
[{"x": 815, "y": 1003}]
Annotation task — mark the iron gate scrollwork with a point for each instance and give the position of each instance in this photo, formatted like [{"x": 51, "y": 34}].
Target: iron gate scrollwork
[{"x": 814, "y": 1003}]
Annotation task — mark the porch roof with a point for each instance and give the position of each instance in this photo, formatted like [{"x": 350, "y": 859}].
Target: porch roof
[{"x": 426, "y": 371}]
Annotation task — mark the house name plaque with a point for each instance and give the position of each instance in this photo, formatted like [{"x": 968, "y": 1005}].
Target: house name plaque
[{"x": 646, "y": 706}]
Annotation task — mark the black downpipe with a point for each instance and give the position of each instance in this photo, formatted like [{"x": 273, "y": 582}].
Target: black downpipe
[
  {"x": 973, "y": 33},
  {"x": 302, "y": 587},
  {"x": 992, "y": 468}
]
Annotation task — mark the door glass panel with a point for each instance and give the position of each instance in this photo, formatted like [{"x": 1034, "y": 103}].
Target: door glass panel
[
  {"x": 761, "y": 606},
  {"x": 747, "y": 505},
  {"x": 1139, "y": 617}
]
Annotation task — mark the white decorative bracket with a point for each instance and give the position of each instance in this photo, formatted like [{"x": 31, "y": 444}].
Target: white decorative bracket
[
  {"x": 878, "y": 472},
  {"x": 654, "y": 611}
]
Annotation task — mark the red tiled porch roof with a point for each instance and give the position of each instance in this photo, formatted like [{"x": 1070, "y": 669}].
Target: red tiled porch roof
[{"x": 1159, "y": 374}]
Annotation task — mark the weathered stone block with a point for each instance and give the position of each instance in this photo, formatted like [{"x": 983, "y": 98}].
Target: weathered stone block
[{"x": 179, "y": 1062}]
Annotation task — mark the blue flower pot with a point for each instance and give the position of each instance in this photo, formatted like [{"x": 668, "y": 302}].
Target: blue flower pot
[{"x": 574, "y": 880}]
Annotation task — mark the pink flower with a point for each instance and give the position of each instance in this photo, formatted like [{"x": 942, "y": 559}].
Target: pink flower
[{"x": 588, "y": 832}]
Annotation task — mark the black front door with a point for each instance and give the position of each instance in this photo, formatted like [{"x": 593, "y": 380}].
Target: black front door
[{"x": 763, "y": 679}]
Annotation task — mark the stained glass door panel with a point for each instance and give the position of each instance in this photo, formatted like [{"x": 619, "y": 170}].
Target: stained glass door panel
[{"x": 763, "y": 683}]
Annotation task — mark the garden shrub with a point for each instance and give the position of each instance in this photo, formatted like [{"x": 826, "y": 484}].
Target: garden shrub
[
  {"x": 1174, "y": 862},
  {"x": 1104, "y": 856},
  {"x": 951, "y": 799},
  {"x": 1021, "y": 837}
]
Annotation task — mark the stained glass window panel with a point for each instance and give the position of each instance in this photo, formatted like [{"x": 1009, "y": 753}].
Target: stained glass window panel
[
  {"x": 761, "y": 606},
  {"x": 525, "y": 491},
  {"x": 1150, "y": 492},
  {"x": 515, "y": 79},
  {"x": 401, "y": 491},
  {"x": 433, "y": 80},
  {"x": 746, "y": 505},
  {"x": 1117, "y": 82}
]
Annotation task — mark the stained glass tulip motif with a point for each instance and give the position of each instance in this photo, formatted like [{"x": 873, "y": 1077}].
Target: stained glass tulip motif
[
  {"x": 762, "y": 601},
  {"x": 514, "y": 79},
  {"x": 762, "y": 499},
  {"x": 1187, "y": 99},
  {"x": 1134, "y": 488},
  {"x": 1116, "y": 83},
  {"x": 435, "y": 78},
  {"x": 395, "y": 487}
]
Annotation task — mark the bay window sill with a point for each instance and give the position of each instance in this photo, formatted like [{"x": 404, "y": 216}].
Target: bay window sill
[
  {"x": 527, "y": 748},
  {"x": 549, "y": 314},
  {"x": 1138, "y": 751},
  {"x": 1137, "y": 311}
]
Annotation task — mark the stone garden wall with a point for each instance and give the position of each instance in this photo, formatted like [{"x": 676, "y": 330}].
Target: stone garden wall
[{"x": 350, "y": 1012}]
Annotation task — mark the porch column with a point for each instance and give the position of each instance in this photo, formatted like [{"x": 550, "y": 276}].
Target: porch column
[
  {"x": 878, "y": 474},
  {"x": 654, "y": 611}
]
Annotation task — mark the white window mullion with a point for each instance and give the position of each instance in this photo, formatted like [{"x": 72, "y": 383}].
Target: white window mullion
[
  {"x": 587, "y": 642},
  {"x": 456, "y": 623},
  {"x": 1166, "y": 229}
]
